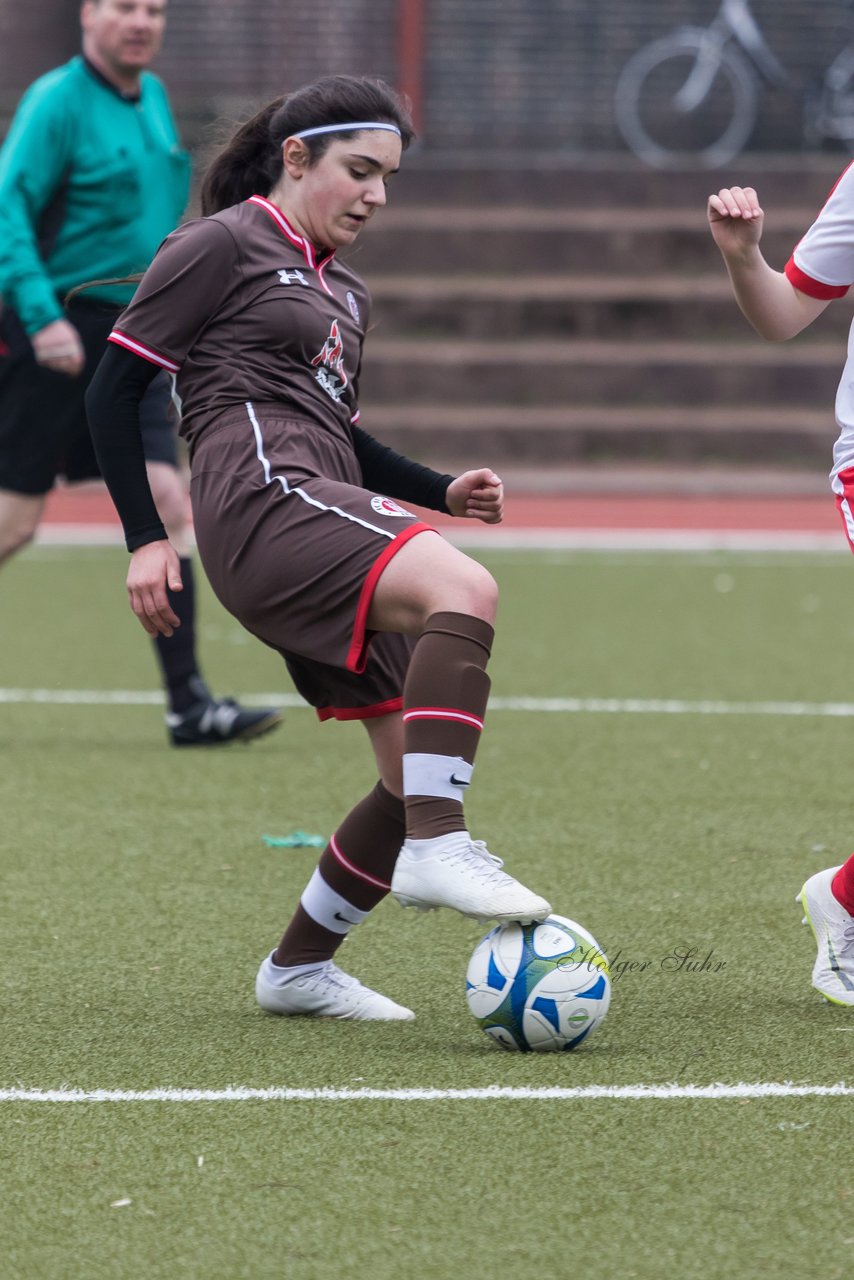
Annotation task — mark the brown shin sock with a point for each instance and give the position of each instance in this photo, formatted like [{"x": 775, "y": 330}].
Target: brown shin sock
[
  {"x": 352, "y": 876},
  {"x": 444, "y": 702}
]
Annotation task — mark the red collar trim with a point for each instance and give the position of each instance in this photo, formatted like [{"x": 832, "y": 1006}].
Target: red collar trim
[{"x": 288, "y": 231}]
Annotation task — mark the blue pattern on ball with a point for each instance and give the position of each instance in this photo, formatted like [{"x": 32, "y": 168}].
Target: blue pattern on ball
[{"x": 538, "y": 988}]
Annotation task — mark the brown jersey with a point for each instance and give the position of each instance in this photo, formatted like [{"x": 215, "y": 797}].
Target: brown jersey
[
  {"x": 265, "y": 341},
  {"x": 240, "y": 308}
]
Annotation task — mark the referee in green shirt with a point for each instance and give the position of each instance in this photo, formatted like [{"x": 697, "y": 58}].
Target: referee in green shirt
[{"x": 92, "y": 178}]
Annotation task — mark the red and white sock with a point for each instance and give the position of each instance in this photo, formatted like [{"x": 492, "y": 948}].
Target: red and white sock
[{"x": 842, "y": 885}]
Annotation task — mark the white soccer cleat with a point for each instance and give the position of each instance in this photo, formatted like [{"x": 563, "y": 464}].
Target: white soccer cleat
[
  {"x": 326, "y": 992},
  {"x": 833, "y": 927},
  {"x": 458, "y": 872}
]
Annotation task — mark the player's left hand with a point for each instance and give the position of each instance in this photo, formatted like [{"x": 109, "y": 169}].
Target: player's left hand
[
  {"x": 154, "y": 567},
  {"x": 477, "y": 495}
]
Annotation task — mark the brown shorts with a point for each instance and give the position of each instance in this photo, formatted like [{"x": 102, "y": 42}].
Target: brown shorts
[{"x": 294, "y": 546}]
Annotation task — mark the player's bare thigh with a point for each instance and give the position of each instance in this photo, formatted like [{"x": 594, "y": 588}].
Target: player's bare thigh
[{"x": 428, "y": 575}]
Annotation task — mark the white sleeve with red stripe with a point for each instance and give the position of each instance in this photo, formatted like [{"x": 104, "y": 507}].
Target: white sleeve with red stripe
[
  {"x": 191, "y": 275},
  {"x": 822, "y": 264}
]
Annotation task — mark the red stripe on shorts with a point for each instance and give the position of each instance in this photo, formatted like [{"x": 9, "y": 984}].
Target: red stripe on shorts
[
  {"x": 358, "y": 654},
  {"x": 844, "y": 503},
  {"x": 360, "y": 713}
]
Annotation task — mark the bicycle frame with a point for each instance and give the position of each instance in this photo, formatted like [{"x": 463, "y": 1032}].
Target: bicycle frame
[
  {"x": 678, "y": 73},
  {"x": 745, "y": 29},
  {"x": 733, "y": 21}
]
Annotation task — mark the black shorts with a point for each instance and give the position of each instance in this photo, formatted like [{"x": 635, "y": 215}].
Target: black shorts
[{"x": 43, "y": 429}]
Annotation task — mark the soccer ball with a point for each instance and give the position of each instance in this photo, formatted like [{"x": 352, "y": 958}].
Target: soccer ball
[{"x": 538, "y": 988}]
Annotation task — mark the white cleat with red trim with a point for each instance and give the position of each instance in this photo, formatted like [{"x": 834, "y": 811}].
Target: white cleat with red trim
[
  {"x": 833, "y": 928},
  {"x": 458, "y": 872}
]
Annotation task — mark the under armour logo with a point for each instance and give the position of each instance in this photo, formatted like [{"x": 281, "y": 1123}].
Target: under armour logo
[{"x": 292, "y": 277}]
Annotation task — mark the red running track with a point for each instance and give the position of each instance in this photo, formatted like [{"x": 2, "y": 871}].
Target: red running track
[{"x": 799, "y": 513}]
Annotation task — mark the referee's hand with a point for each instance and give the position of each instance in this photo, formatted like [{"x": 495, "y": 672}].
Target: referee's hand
[
  {"x": 153, "y": 568},
  {"x": 57, "y": 346}
]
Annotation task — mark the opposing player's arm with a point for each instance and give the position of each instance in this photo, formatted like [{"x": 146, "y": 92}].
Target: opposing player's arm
[
  {"x": 768, "y": 299},
  {"x": 773, "y": 305}
]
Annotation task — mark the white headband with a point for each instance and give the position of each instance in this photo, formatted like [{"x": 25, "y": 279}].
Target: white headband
[{"x": 340, "y": 128}]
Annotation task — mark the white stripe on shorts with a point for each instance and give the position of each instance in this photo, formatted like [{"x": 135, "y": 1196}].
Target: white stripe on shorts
[{"x": 313, "y": 502}]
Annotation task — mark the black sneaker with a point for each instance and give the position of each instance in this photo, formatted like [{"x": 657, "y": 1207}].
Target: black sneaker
[{"x": 217, "y": 721}]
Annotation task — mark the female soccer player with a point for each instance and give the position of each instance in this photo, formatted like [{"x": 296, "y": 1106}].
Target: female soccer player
[
  {"x": 779, "y": 304},
  {"x": 377, "y": 617}
]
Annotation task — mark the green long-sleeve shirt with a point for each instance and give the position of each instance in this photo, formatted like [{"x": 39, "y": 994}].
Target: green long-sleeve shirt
[{"x": 90, "y": 183}]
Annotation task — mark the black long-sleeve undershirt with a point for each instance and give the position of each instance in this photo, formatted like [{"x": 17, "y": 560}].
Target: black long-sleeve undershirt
[
  {"x": 112, "y": 405},
  {"x": 399, "y": 477}
]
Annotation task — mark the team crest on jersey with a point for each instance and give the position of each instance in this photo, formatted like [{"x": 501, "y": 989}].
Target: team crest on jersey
[
  {"x": 329, "y": 363},
  {"x": 387, "y": 507},
  {"x": 353, "y": 305}
]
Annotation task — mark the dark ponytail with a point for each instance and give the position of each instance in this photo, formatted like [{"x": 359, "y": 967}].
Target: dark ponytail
[
  {"x": 251, "y": 162},
  {"x": 246, "y": 165}
]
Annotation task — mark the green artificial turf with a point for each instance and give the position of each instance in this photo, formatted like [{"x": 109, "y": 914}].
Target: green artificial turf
[{"x": 139, "y": 897}]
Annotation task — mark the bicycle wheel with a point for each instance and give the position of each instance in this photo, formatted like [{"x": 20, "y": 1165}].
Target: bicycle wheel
[
  {"x": 832, "y": 113},
  {"x": 681, "y": 102}
]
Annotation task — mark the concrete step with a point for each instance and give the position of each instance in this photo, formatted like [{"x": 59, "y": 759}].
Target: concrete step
[
  {"x": 519, "y": 239},
  {"x": 584, "y": 315},
  {"x": 430, "y": 178},
  {"x": 505, "y": 436},
  {"x": 540, "y": 371},
  {"x": 567, "y": 305}
]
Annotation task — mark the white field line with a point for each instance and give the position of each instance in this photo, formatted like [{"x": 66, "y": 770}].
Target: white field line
[
  {"x": 589, "y": 706},
  {"x": 635, "y": 1092},
  {"x": 543, "y": 539}
]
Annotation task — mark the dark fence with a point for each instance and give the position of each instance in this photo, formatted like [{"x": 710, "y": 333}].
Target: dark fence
[{"x": 499, "y": 77}]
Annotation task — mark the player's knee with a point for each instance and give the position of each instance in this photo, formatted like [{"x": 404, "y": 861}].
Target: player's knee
[
  {"x": 464, "y": 587},
  {"x": 480, "y": 590}
]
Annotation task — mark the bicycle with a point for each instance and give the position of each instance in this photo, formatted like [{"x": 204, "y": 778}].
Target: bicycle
[{"x": 692, "y": 96}]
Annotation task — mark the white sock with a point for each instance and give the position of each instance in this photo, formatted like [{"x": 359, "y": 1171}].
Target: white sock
[
  {"x": 418, "y": 849},
  {"x": 328, "y": 908},
  {"x": 278, "y": 975},
  {"x": 431, "y": 775}
]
